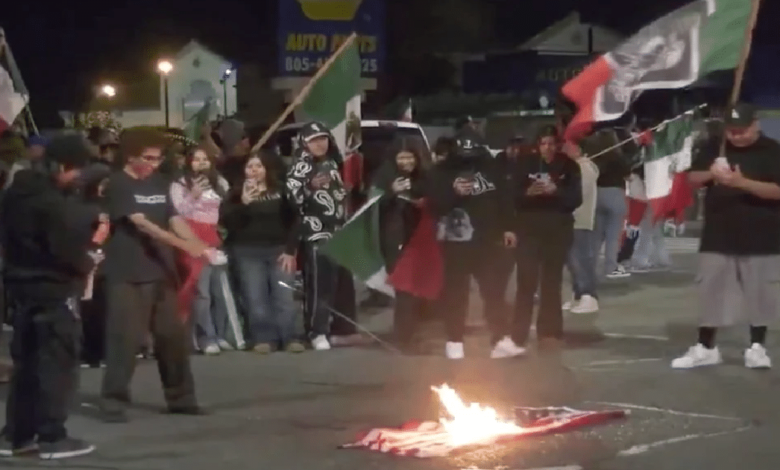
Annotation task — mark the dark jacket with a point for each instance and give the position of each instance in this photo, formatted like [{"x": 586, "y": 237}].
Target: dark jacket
[
  {"x": 482, "y": 216},
  {"x": 321, "y": 210},
  {"x": 398, "y": 214},
  {"x": 556, "y": 207},
  {"x": 44, "y": 243}
]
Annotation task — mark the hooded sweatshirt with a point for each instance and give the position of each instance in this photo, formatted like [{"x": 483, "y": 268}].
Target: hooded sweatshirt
[
  {"x": 480, "y": 217},
  {"x": 317, "y": 193},
  {"x": 544, "y": 214},
  {"x": 398, "y": 215},
  {"x": 231, "y": 166},
  {"x": 45, "y": 251}
]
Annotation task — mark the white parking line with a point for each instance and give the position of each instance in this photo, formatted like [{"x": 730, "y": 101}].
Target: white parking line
[
  {"x": 642, "y": 448},
  {"x": 665, "y": 410}
]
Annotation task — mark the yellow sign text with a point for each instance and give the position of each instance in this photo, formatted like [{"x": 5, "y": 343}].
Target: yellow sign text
[{"x": 303, "y": 42}]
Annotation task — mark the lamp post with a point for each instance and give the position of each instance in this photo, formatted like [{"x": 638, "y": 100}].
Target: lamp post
[
  {"x": 224, "y": 80},
  {"x": 165, "y": 67}
]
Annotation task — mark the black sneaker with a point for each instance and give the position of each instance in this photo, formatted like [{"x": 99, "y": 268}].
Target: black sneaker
[
  {"x": 191, "y": 410},
  {"x": 7, "y": 449},
  {"x": 64, "y": 449}
]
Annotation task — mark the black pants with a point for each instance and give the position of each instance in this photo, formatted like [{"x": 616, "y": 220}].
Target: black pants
[
  {"x": 406, "y": 316},
  {"x": 45, "y": 351},
  {"x": 461, "y": 262},
  {"x": 132, "y": 309},
  {"x": 320, "y": 284},
  {"x": 93, "y": 318},
  {"x": 541, "y": 254},
  {"x": 344, "y": 303}
]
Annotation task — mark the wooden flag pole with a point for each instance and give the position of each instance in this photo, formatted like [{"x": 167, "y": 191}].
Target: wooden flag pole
[
  {"x": 739, "y": 74},
  {"x": 304, "y": 92}
]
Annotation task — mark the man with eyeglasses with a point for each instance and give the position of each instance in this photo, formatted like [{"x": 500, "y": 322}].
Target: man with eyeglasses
[{"x": 142, "y": 278}]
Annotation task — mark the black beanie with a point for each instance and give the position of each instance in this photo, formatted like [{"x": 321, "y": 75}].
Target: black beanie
[{"x": 70, "y": 150}]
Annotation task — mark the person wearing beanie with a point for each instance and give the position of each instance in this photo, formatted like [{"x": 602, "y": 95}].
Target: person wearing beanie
[
  {"x": 235, "y": 148},
  {"x": 36, "y": 146},
  {"x": 46, "y": 265}
]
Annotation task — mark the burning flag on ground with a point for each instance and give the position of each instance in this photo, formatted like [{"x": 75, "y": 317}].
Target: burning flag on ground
[
  {"x": 475, "y": 425},
  {"x": 12, "y": 93},
  {"x": 670, "y": 53}
]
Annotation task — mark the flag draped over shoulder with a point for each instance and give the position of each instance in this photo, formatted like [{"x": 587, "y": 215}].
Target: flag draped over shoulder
[
  {"x": 668, "y": 157},
  {"x": 672, "y": 52},
  {"x": 12, "y": 94},
  {"x": 193, "y": 128},
  {"x": 335, "y": 100},
  {"x": 357, "y": 247}
]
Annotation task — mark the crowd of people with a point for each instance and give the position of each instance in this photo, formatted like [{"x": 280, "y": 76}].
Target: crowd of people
[{"x": 152, "y": 246}]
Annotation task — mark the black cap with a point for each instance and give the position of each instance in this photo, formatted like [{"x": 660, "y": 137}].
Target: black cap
[
  {"x": 312, "y": 130},
  {"x": 741, "y": 115},
  {"x": 69, "y": 149}
]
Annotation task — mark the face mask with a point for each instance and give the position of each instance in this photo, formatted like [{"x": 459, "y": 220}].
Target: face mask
[{"x": 142, "y": 169}]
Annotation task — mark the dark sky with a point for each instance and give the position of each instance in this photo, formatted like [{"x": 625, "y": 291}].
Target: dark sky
[{"x": 60, "y": 47}]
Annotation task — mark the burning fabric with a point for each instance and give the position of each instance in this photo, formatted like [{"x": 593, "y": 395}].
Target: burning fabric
[{"x": 475, "y": 425}]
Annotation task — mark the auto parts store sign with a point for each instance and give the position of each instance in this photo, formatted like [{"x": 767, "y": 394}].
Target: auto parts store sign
[{"x": 310, "y": 30}]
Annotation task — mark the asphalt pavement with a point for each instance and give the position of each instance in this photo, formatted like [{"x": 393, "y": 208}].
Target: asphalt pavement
[{"x": 290, "y": 412}]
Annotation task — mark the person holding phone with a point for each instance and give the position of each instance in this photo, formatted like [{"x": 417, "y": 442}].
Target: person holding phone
[
  {"x": 469, "y": 194},
  {"x": 262, "y": 241},
  {"x": 548, "y": 188}
]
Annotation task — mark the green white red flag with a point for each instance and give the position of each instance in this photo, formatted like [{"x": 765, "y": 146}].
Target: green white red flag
[
  {"x": 667, "y": 160},
  {"x": 12, "y": 92},
  {"x": 672, "y": 52}
]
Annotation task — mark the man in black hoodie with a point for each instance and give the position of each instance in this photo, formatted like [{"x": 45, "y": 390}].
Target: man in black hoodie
[
  {"x": 469, "y": 193},
  {"x": 46, "y": 263},
  {"x": 317, "y": 191}
]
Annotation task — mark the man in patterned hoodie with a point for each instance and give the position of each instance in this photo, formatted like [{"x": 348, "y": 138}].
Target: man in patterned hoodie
[{"x": 317, "y": 191}]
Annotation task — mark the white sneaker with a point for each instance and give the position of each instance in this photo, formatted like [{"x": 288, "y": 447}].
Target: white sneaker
[
  {"x": 756, "y": 357},
  {"x": 320, "y": 343},
  {"x": 568, "y": 305},
  {"x": 454, "y": 350},
  {"x": 618, "y": 273},
  {"x": 506, "y": 348},
  {"x": 212, "y": 350},
  {"x": 698, "y": 356},
  {"x": 587, "y": 304},
  {"x": 225, "y": 346}
]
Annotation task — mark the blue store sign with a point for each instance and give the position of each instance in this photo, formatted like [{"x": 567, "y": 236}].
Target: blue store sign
[{"x": 310, "y": 30}]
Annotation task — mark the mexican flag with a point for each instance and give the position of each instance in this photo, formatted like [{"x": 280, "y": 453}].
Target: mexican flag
[
  {"x": 12, "y": 93},
  {"x": 667, "y": 159},
  {"x": 672, "y": 52},
  {"x": 334, "y": 100},
  {"x": 192, "y": 130},
  {"x": 419, "y": 269}
]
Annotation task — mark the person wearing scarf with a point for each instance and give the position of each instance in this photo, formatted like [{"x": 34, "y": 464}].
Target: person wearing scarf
[
  {"x": 401, "y": 178},
  {"x": 262, "y": 241},
  {"x": 197, "y": 195}
]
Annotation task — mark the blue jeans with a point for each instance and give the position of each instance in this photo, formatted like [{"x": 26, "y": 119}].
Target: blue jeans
[
  {"x": 611, "y": 211},
  {"x": 270, "y": 307},
  {"x": 214, "y": 308},
  {"x": 582, "y": 264}
]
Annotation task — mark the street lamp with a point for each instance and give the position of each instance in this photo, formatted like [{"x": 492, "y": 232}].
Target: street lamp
[
  {"x": 108, "y": 91},
  {"x": 165, "y": 67},
  {"x": 224, "y": 80}
]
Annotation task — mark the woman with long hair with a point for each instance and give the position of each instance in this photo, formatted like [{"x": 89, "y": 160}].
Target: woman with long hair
[
  {"x": 205, "y": 293},
  {"x": 262, "y": 241},
  {"x": 402, "y": 180},
  {"x": 548, "y": 189}
]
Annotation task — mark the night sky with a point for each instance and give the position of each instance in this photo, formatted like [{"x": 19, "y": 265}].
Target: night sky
[{"x": 61, "y": 48}]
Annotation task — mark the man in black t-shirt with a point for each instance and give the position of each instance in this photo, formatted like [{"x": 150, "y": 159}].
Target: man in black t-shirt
[
  {"x": 141, "y": 278},
  {"x": 740, "y": 244}
]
